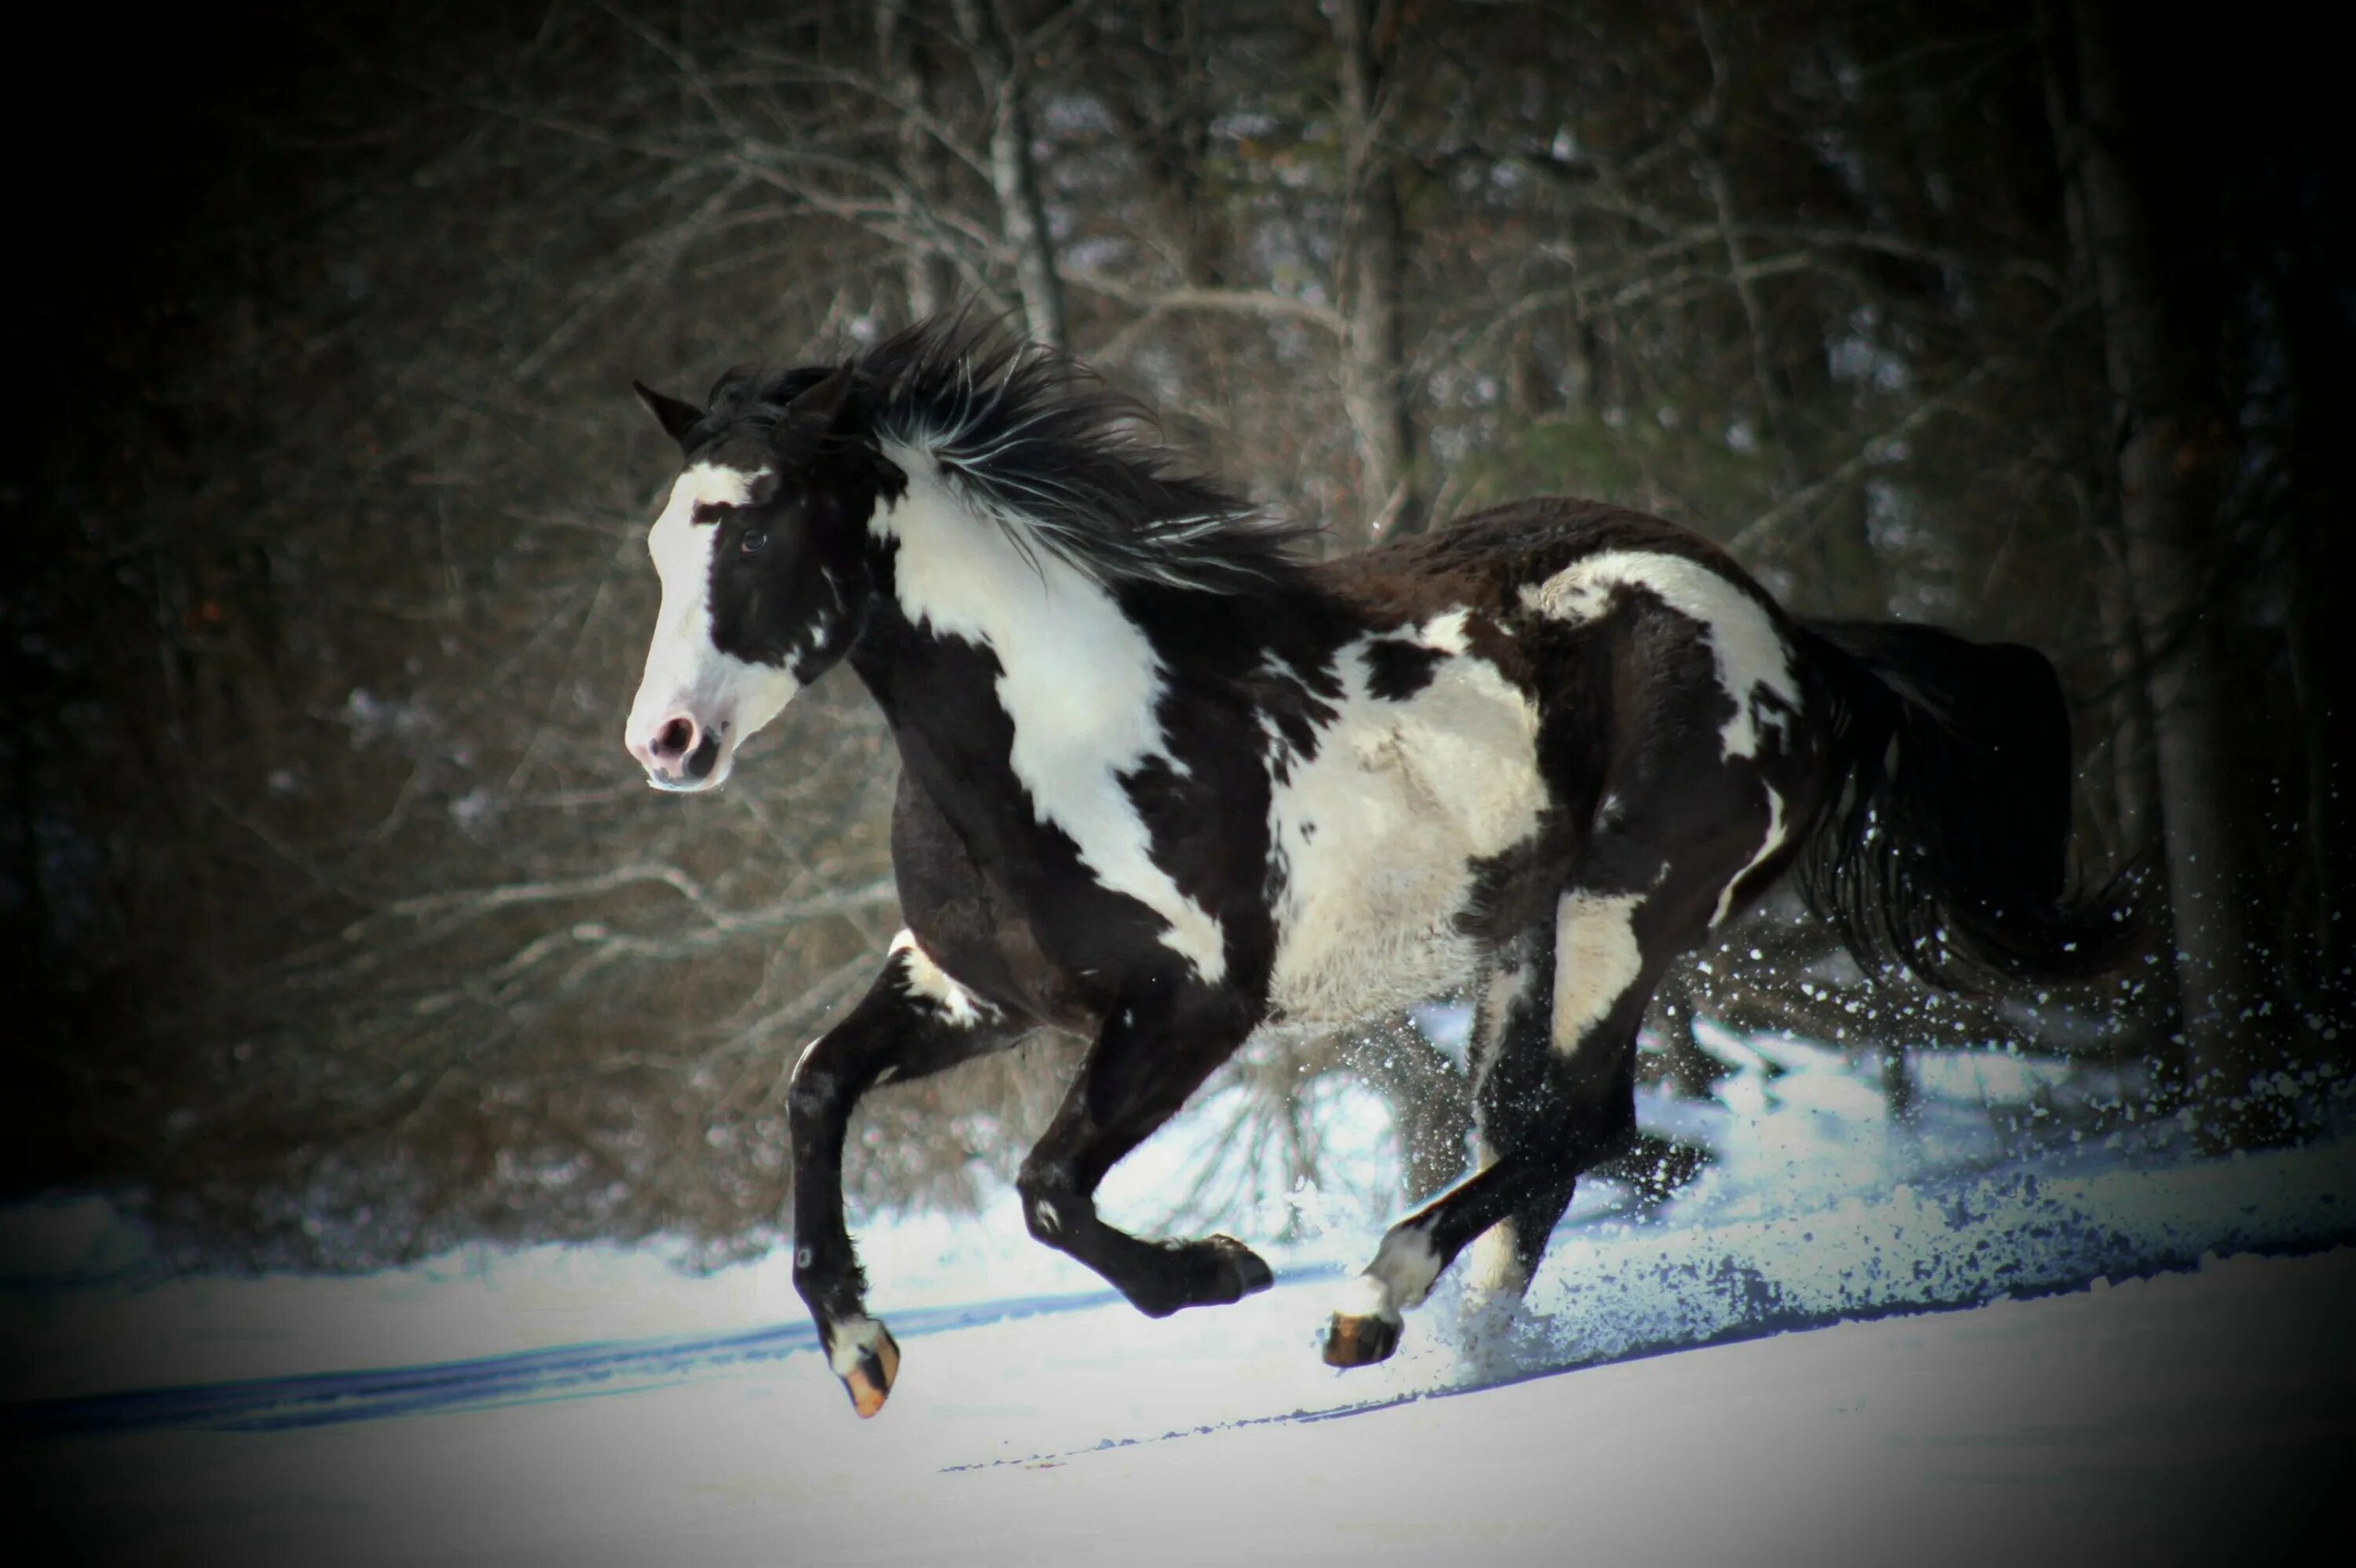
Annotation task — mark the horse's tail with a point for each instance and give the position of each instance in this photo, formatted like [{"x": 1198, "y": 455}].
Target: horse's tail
[{"x": 1944, "y": 845}]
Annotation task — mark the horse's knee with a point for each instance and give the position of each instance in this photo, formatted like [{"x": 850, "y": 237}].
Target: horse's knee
[
  {"x": 813, "y": 1086},
  {"x": 1050, "y": 1202}
]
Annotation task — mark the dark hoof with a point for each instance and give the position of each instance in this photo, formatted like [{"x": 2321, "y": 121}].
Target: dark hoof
[
  {"x": 1360, "y": 1341},
  {"x": 1242, "y": 1272},
  {"x": 867, "y": 1370}
]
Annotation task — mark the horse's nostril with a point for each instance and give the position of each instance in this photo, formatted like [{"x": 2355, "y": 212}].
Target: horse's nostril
[{"x": 676, "y": 738}]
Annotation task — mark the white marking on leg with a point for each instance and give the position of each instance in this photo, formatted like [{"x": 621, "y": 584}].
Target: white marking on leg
[
  {"x": 928, "y": 979},
  {"x": 1078, "y": 680},
  {"x": 1743, "y": 638},
  {"x": 1596, "y": 960},
  {"x": 1494, "y": 1270},
  {"x": 852, "y": 1338},
  {"x": 1767, "y": 845},
  {"x": 1400, "y": 1276}
]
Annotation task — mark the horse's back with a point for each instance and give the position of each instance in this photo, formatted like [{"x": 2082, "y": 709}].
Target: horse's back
[{"x": 1483, "y": 561}]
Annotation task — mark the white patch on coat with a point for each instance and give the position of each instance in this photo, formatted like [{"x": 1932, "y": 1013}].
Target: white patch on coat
[
  {"x": 928, "y": 979},
  {"x": 1079, "y": 681},
  {"x": 1768, "y": 845},
  {"x": 1596, "y": 960},
  {"x": 1743, "y": 638},
  {"x": 685, "y": 671},
  {"x": 852, "y": 1338},
  {"x": 1378, "y": 833},
  {"x": 1495, "y": 1269},
  {"x": 1400, "y": 1276}
]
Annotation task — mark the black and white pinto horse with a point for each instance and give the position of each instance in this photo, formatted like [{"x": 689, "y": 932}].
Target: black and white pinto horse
[{"x": 1164, "y": 785}]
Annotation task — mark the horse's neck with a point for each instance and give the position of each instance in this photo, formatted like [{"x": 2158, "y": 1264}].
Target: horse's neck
[{"x": 980, "y": 637}]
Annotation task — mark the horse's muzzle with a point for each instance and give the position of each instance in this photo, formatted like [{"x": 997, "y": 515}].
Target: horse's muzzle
[{"x": 680, "y": 753}]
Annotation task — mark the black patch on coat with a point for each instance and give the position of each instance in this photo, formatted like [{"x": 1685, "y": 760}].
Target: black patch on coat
[{"x": 1397, "y": 670}]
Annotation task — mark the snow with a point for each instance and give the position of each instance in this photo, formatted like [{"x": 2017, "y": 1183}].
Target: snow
[{"x": 1855, "y": 1338}]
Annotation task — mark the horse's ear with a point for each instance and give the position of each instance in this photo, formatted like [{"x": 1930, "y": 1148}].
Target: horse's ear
[
  {"x": 675, "y": 417},
  {"x": 817, "y": 408}
]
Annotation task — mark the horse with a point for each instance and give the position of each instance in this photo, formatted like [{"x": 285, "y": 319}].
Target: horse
[{"x": 1166, "y": 782}]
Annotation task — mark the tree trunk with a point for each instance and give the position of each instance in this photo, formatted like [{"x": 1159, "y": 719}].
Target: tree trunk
[
  {"x": 1373, "y": 278},
  {"x": 2134, "y": 807},
  {"x": 2170, "y": 459},
  {"x": 927, "y": 272},
  {"x": 999, "y": 58},
  {"x": 1166, "y": 121},
  {"x": 2317, "y": 338}
]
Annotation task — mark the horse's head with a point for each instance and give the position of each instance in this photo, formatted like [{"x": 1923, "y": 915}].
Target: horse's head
[{"x": 762, "y": 559}]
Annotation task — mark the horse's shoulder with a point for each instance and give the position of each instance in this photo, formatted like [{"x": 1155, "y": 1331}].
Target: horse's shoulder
[{"x": 968, "y": 919}]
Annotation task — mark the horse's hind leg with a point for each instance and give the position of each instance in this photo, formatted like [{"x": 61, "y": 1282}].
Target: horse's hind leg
[
  {"x": 1512, "y": 1017},
  {"x": 1511, "y": 1024},
  {"x": 1555, "y": 1098}
]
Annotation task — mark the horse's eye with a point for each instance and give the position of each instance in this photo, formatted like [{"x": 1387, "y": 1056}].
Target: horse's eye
[{"x": 753, "y": 540}]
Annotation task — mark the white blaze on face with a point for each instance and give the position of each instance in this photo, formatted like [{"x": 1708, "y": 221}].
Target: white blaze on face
[{"x": 687, "y": 675}]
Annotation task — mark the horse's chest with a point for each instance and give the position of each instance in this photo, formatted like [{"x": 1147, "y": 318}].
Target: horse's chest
[{"x": 1380, "y": 841}]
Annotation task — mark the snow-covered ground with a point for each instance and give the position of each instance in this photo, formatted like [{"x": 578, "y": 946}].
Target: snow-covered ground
[{"x": 2081, "y": 1401}]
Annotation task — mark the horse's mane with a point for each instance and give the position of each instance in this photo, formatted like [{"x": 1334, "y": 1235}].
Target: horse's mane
[{"x": 1046, "y": 450}]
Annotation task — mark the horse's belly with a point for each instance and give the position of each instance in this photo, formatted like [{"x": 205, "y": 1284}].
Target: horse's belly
[{"x": 1380, "y": 840}]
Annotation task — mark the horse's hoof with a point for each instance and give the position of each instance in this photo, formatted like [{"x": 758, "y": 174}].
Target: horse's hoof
[
  {"x": 1360, "y": 1340},
  {"x": 867, "y": 1360},
  {"x": 1244, "y": 1269}
]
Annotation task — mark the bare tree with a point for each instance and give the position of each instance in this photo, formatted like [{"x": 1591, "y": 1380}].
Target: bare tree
[
  {"x": 2170, "y": 462},
  {"x": 1372, "y": 267},
  {"x": 906, "y": 68},
  {"x": 1001, "y": 52}
]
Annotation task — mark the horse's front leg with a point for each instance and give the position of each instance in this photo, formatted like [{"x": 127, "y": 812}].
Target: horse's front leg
[
  {"x": 914, "y": 1021},
  {"x": 1159, "y": 1042}
]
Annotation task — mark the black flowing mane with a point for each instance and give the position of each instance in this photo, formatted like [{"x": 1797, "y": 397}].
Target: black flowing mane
[{"x": 1061, "y": 461}]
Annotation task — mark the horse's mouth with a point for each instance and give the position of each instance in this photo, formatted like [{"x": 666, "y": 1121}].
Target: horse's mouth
[{"x": 680, "y": 786}]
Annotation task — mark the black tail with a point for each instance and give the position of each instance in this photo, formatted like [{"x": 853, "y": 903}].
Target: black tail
[{"x": 1945, "y": 846}]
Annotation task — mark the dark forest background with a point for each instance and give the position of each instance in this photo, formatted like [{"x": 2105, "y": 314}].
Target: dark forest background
[{"x": 342, "y": 927}]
